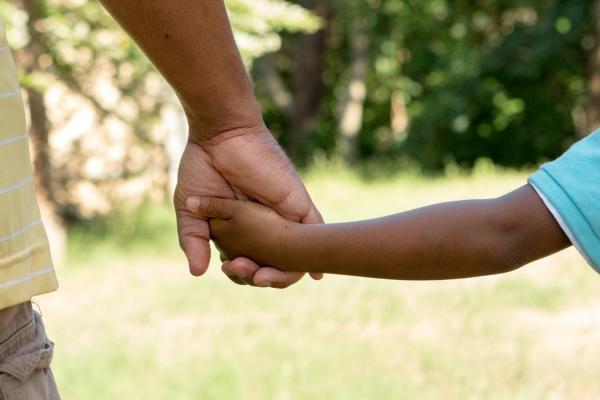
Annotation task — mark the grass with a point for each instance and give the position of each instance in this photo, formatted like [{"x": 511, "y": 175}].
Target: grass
[{"x": 130, "y": 323}]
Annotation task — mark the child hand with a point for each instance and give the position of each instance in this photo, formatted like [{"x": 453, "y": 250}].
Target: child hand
[{"x": 244, "y": 228}]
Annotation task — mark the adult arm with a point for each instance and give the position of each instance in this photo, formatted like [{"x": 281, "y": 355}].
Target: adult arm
[
  {"x": 443, "y": 241},
  {"x": 230, "y": 153}
]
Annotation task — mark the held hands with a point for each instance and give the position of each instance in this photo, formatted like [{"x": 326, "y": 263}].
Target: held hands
[
  {"x": 245, "y": 229},
  {"x": 241, "y": 164}
]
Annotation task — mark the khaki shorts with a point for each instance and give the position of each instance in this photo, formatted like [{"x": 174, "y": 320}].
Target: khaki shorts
[{"x": 25, "y": 355}]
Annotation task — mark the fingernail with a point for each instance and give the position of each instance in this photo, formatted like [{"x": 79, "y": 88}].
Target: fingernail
[
  {"x": 263, "y": 284},
  {"x": 193, "y": 204}
]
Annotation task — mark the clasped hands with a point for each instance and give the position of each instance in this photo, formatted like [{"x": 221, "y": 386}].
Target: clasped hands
[{"x": 242, "y": 165}]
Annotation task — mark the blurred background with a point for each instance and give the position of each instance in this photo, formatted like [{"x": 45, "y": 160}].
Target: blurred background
[{"x": 384, "y": 105}]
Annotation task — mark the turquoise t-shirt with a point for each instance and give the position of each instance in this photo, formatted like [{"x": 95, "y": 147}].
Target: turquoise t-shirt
[{"x": 570, "y": 186}]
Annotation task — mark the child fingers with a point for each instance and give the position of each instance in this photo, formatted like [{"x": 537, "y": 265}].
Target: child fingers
[
  {"x": 317, "y": 276},
  {"x": 211, "y": 207},
  {"x": 241, "y": 269}
]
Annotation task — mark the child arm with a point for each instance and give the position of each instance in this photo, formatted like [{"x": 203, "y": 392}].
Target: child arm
[{"x": 444, "y": 241}]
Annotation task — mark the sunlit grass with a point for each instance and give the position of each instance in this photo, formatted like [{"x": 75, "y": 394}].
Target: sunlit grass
[{"x": 134, "y": 325}]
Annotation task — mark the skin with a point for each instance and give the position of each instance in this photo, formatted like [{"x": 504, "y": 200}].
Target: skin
[
  {"x": 444, "y": 241},
  {"x": 230, "y": 152}
]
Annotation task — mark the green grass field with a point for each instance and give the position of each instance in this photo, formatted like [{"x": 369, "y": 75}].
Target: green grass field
[{"x": 130, "y": 323}]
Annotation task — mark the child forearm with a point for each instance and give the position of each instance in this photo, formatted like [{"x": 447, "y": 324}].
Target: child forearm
[
  {"x": 452, "y": 240},
  {"x": 444, "y": 241}
]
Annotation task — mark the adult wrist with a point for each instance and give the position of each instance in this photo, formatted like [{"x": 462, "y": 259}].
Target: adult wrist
[{"x": 229, "y": 121}]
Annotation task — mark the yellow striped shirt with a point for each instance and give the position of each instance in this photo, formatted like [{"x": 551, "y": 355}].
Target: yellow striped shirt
[{"x": 25, "y": 265}]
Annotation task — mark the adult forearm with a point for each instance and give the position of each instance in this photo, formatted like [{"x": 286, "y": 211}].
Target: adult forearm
[
  {"x": 453, "y": 240},
  {"x": 191, "y": 44}
]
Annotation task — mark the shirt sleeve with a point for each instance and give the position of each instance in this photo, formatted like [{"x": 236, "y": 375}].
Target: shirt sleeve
[{"x": 570, "y": 188}]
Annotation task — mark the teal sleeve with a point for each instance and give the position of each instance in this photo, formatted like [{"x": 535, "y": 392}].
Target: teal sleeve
[{"x": 572, "y": 185}]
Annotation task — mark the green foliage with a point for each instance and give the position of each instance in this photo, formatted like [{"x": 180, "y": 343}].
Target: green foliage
[
  {"x": 149, "y": 229},
  {"x": 496, "y": 79},
  {"x": 257, "y": 24},
  {"x": 448, "y": 82}
]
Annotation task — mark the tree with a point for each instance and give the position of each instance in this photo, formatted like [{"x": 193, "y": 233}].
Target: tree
[
  {"x": 353, "y": 101},
  {"x": 592, "y": 114}
]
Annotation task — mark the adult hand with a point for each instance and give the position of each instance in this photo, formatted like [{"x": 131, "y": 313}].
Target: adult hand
[
  {"x": 244, "y": 163},
  {"x": 192, "y": 45}
]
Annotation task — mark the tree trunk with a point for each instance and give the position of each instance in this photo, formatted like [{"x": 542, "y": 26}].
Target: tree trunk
[
  {"x": 276, "y": 89},
  {"x": 39, "y": 134},
  {"x": 307, "y": 81},
  {"x": 354, "y": 100},
  {"x": 593, "y": 105}
]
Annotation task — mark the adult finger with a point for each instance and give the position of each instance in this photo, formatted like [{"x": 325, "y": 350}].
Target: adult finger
[
  {"x": 193, "y": 239},
  {"x": 313, "y": 216}
]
